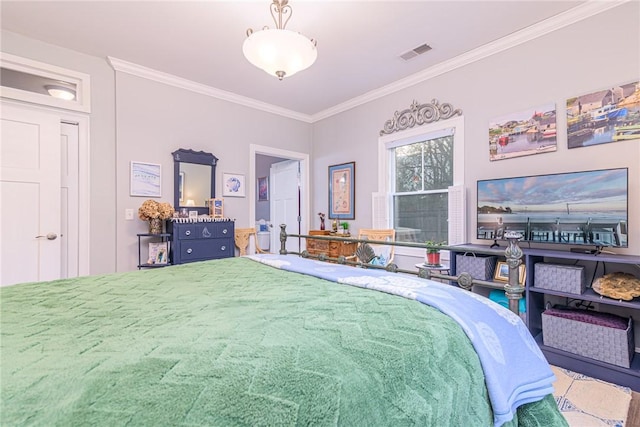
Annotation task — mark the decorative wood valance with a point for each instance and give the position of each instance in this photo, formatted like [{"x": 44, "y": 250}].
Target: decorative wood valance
[{"x": 419, "y": 114}]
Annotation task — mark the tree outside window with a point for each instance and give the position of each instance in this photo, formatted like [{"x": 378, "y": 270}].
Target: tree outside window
[{"x": 422, "y": 173}]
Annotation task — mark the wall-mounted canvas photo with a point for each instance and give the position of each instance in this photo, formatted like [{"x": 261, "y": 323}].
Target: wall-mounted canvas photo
[
  {"x": 608, "y": 115},
  {"x": 524, "y": 133}
]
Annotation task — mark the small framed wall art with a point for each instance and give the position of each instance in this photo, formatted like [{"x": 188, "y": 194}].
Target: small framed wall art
[
  {"x": 145, "y": 180},
  {"x": 233, "y": 185},
  {"x": 263, "y": 189}
]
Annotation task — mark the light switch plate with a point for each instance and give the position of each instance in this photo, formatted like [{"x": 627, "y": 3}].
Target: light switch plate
[{"x": 128, "y": 214}]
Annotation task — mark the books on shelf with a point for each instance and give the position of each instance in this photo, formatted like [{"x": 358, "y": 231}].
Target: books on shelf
[{"x": 158, "y": 253}]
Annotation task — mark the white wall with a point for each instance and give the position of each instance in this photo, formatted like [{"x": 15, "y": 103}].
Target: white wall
[
  {"x": 593, "y": 54},
  {"x": 154, "y": 119},
  {"x": 102, "y": 134}
]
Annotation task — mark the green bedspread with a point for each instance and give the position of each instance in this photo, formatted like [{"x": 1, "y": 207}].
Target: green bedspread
[{"x": 234, "y": 342}]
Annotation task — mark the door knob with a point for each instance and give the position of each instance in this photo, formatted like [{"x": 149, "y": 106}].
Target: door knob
[{"x": 49, "y": 236}]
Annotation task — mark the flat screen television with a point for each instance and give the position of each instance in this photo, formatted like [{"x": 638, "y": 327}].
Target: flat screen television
[{"x": 574, "y": 208}]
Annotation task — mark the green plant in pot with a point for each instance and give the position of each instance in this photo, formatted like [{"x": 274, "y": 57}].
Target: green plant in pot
[
  {"x": 345, "y": 227},
  {"x": 433, "y": 252}
]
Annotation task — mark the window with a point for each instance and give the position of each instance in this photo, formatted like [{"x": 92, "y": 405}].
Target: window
[
  {"x": 421, "y": 173},
  {"x": 44, "y": 84},
  {"x": 418, "y": 167}
]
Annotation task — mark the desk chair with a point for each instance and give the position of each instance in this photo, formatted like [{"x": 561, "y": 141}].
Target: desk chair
[{"x": 241, "y": 238}]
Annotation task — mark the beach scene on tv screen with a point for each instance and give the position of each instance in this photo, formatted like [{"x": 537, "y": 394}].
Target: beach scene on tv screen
[{"x": 577, "y": 208}]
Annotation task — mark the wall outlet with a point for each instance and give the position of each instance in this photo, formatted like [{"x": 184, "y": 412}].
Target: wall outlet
[{"x": 128, "y": 214}]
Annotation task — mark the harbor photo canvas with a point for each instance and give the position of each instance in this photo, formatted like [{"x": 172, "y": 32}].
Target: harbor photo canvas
[
  {"x": 604, "y": 116},
  {"x": 524, "y": 133}
]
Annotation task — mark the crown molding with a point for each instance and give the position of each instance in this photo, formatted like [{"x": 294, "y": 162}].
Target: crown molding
[
  {"x": 569, "y": 17},
  {"x": 171, "y": 80}
]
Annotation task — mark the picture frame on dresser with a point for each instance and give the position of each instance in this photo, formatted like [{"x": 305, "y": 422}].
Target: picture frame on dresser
[{"x": 216, "y": 208}]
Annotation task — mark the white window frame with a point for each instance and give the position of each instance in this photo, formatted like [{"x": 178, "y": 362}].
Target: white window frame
[
  {"x": 82, "y": 82},
  {"x": 422, "y": 133}
]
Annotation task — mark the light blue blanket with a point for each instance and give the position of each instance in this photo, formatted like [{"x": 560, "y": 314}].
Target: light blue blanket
[{"x": 516, "y": 372}]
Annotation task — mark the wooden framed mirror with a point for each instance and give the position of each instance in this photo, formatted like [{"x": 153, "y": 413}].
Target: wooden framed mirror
[{"x": 194, "y": 180}]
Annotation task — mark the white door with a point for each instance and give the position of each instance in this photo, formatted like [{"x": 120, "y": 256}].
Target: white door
[
  {"x": 70, "y": 201},
  {"x": 29, "y": 196},
  {"x": 284, "y": 178}
]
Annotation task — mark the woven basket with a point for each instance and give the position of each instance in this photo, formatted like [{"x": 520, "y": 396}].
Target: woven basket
[
  {"x": 615, "y": 346},
  {"x": 480, "y": 267},
  {"x": 563, "y": 278}
]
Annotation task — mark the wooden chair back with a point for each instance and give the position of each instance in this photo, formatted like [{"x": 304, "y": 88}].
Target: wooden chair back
[
  {"x": 242, "y": 237},
  {"x": 382, "y": 235}
]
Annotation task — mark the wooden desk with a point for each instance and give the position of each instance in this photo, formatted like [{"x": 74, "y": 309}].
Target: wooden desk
[{"x": 332, "y": 248}]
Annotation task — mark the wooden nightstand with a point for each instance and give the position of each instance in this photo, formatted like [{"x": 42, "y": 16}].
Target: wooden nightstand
[{"x": 332, "y": 248}]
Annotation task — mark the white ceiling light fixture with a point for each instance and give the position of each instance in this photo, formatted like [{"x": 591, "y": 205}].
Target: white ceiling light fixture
[
  {"x": 278, "y": 51},
  {"x": 61, "y": 92}
]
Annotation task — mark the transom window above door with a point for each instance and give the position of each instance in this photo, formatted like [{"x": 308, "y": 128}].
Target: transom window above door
[{"x": 44, "y": 84}]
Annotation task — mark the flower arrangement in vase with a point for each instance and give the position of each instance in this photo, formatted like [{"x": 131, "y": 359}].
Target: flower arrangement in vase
[
  {"x": 156, "y": 213},
  {"x": 433, "y": 252}
]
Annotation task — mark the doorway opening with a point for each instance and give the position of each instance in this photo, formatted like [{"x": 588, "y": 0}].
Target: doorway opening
[{"x": 279, "y": 207}]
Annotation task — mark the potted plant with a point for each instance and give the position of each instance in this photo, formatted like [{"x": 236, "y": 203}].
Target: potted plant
[
  {"x": 345, "y": 227},
  {"x": 433, "y": 252}
]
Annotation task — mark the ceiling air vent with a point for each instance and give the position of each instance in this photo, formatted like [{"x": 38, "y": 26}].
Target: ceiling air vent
[{"x": 415, "y": 52}]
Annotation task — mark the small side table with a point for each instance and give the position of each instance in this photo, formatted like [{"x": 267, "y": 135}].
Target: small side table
[
  {"x": 163, "y": 237},
  {"x": 442, "y": 268}
]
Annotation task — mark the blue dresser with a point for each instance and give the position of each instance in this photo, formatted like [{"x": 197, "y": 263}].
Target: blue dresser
[{"x": 199, "y": 241}]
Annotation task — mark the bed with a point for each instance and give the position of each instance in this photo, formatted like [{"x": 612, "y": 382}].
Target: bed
[{"x": 261, "y": 340}]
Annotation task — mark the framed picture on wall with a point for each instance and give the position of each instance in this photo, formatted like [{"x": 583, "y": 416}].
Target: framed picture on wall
[
  {"x": 233, "y": 185},
  {"x": 145, "y": 180},
  {"x": 342, "y": 197},
  {"x": 263, "y": 189}
]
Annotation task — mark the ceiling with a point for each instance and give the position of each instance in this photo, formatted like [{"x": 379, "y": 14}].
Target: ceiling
[{"x": 359, "y": 42}]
